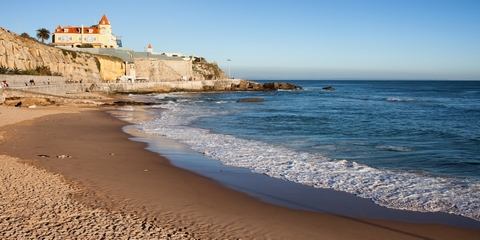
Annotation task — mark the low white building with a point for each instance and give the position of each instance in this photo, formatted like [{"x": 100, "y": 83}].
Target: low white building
[{"x": 150, "y": 50}]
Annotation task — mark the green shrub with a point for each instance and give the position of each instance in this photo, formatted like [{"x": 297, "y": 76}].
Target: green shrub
[
  {"x": 15, "y": 71},
  {"x": 86, "y": 45},
  {"x": 25, "y": 35},
  {"x": 30, "y": 72},
  {"x": 40, "y": 70},
  {"x": 43, "y": 70},
  {"x": 4, "y": 70}
]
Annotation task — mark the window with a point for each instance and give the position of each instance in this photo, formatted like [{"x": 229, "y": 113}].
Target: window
[{"x": 65, "y": 30}]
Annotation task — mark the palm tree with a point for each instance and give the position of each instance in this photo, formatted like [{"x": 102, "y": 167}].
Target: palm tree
[{"x": 43, "y": 34}]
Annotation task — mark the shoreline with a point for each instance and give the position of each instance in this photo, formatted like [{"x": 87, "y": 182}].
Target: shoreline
[
  {"x": 141, "y": 182},
  {"x": 280, "y": 192}
]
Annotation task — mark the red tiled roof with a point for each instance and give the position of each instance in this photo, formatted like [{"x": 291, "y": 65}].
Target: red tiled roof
[
  {"x": 77, "y": 29},
  {"x": 104, "y": 20},
  {"x": 74, "y": 29},
  {"x": 94, "y": 30}
]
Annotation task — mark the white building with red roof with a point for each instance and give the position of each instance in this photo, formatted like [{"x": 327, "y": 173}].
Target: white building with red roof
[{"x": 98, "y": 36}]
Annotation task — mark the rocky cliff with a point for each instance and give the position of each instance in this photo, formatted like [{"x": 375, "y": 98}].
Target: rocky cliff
[
  {"x": 207, "y": 71},
  {"x": 24, "y": 53},
  {"x": 110, "y": 68},
  {"x": 159, "y": 70}
]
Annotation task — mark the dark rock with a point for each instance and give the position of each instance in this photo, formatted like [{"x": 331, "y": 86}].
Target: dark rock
[
  {"x": 251, "y": 100},
  {"x": 281, "y": 85},
  {"x": 247, "y": 86},
  {"x": 330, "y": 88},
  {"x": 207, "y": 88},
  {"x": 253, "y": 86}
]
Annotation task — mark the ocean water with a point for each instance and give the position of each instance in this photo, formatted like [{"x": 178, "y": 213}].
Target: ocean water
[{"x": 410, "y": 145}]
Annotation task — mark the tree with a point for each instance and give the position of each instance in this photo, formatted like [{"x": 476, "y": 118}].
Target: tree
[
  {"x": 43, "y": 34},
  {"x": 25, "y": 35}
]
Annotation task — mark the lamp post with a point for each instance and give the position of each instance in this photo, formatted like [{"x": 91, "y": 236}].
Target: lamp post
[{"x": 229, "y": 60}]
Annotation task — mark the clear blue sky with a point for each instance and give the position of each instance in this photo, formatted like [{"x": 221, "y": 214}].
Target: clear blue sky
[{"x": 286, "y": 39}]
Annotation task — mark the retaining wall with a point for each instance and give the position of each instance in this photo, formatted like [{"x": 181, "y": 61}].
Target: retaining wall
[
  {"x": 214, "y": 85},
  {"x": 63, "y": 89},
  {"x": 58, "y": 89},
  {"x": 20, "y": 80}
]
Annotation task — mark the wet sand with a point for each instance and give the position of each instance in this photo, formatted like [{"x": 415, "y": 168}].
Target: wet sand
[{"x": 128, "y": 187}]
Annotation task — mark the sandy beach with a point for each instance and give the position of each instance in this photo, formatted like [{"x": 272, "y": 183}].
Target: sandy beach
[{"x": 73, "y": 173}]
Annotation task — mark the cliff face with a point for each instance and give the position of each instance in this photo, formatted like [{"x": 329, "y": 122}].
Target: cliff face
[
  {"x": 162, "y": 70},
  {"x": 208, "y": 71},
  {"x": 174, "y": 70},
  {"x": 24, "y": 53},
  {"x": 110, "y": 70}
]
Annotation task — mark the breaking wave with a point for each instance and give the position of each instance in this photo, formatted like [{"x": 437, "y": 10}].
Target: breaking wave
[{"x": 415, "y": 191}]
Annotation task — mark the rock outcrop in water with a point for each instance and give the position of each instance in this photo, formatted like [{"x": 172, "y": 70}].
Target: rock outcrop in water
[
  {"x": 250, "y": 100},
  {"x": 253, "y": 86}
]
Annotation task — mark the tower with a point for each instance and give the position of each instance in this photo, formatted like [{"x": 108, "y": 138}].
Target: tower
[{"x": 106, "y": 37}]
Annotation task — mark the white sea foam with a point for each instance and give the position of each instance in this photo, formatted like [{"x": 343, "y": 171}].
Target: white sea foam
[
  {"x": 395, "y": 99},
  {"x": 394, "y": 148},
  {"x": 393, "y": 189}
]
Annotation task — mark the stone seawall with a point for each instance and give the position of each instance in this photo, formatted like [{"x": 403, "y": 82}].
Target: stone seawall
[
  {"x": 20, "y": 80},
  {"x": 147, "y": 87},
  {"x": 63, "y": 89},
  {"x": 13, "y": 96},
  {"x": 58, "y": 89},
  {"x": 190, "y": 86}
]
